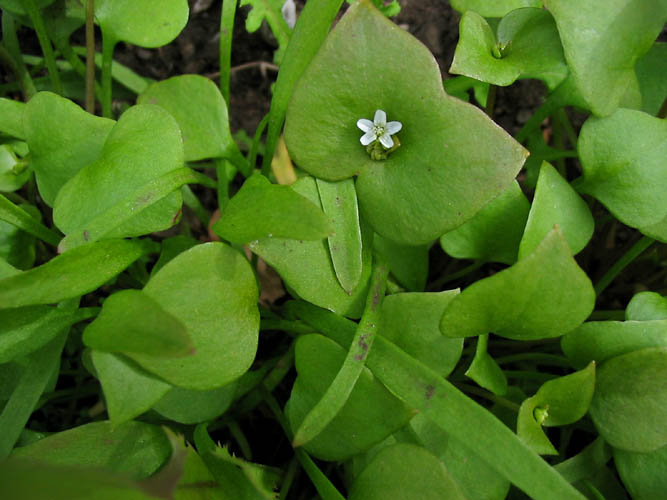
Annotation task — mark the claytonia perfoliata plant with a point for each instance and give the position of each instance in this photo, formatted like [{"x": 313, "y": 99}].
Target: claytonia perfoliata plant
[{"x": 377, "y": 137}]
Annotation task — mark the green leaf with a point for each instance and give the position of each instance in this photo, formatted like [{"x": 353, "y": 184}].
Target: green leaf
[
  {"x": 405, "y": 471},
  {"x": 643, "y": 474},
  {"x": 646, "y": 306},
  {"x": 13, "y": 174},
  {"x": 72, "y": 274},
  {"x": 420, "y": 191},
  {"x": 545, "y": 295},
  {"x": 135, "y": 448},
  {"x": 63, "y": 139},
  {"x": 558, "y": 402},
  {"x": 587, "y": 463},
  {"x": 17, "y": 247},
  {"x": 201, "y": 112},
  {"x": 306, "y": 266},
  {"x": 411, "y": 321},
  {"x": 369, "y": 415},
  {"x": 556, "y": 203},
  {"x": 187, "y": 406},
  {"x": 11, "y": 118},
  {"x": 205, "y": 287},
  {"x": 128, "y": 390},
  {"x": 629, "y": 407},
  {"x": 264, "y": 210},
  {"x": 602, "y": 44},
  {"x": 602, "y": 340},
  {"x": 407, "y": 263},
  {"x": 623, "y": 162},
  {"x": 494, "y": 233},
  {"x": 497, "y": 8},
  {"x": 527, "y": 46},
  {"x": 16, "y": 6},
  {"x": 339, "y": 202},
  {"x": 485, "y": 371},
  {"x": 18, "y": 217},
  {"x": 651, "y": 70},
  {"x": 144, "y": 145},
  {"x": 132, "y": 322},
  {"x": 141, "y": 22},
  {"x": 269, "y": 10},
  {"x": 6, "y": 269}
]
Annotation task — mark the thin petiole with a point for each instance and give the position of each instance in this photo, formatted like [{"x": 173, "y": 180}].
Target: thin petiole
[
  {"x": 90, "y": 56},
  {"x": 226, "y": 33},
  {"x": 634, "y": 252},
  {"x": 47, "y": 49}
]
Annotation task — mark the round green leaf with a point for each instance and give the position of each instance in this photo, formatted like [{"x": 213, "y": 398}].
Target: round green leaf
[
  {"x": 603, "y": 42},
  {"x": 186, "y": 406},
  {"x": 646, "y": 306},
  {"x": 201, "y": 113},
  {"x": 370, "y": 414},
  {"x": 452, "y": 159},
  {"x": 527, "y": 46},
  {"x": 544, "y": 295},
  {"x": 411, "y": 321},
  {"x": 643, "y": 474},
  {"x": 135, "y": 448},
  {"x": 494, "y": 233},
  {"x": 147, "y": 23},
  {"x": 407, "y": 472},
  {"x": 496, "y": 8},
  {"x": 63, "y": 139},
  {"x": 555, "y": 202},
  {"x": 144, "y": 145},
  {"x": 623, "y": 159},
  {"x": 629, "y": 407},
  {"x": 211, "y": 289}
]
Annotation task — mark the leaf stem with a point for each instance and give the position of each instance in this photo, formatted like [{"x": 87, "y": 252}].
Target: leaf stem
[
  {"x": 622, "y": 263},
  {"x": 254, "y": 146},
  {"x": 338, "y": 392},
  {"x": 226, "y": 35},
  {"x": 491, "y": 100},
  {"x": 13, "y": 54},
  {"x": 18, "y": 217},
  {"x": 478, "y": 391},
  {"x": 47, "y": 49},
  {"x": 108, "y": 45},
  {"x": 456, "y": 275},
  {"x": 90, "y": 56}
]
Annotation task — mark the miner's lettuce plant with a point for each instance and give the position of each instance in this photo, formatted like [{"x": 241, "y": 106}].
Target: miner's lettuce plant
[{"x": 134, "y": 246}]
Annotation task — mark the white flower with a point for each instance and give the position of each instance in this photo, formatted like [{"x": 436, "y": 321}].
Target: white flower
[
  {"x": 379, "y": 129},
  {"x": 289, "y": 13}
]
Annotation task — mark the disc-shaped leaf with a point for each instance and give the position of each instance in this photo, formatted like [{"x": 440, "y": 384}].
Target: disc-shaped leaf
[
  {"x": 201, "y": 113},
  {"x": 643, "y": 474},
  {"x": 211, "y": 289},
  {"x": 556, "y": 202},
  {"x": 370, "y": 414},
  {"x": 135, "y": 448},
  {"x": 646, "y": 306},
  {"x": 602, "y": 340},
  {"x": 629, "y": 407},
  {"x": 405, "y": 471},
  {"x": 63, "y": 139},
  {"x": 452, "y": 159},
  {"x": 306, "y": 266},
  {"x": 527, "y": 46},
  {"x": 546, "y": 294},
  {"x": 623, "y": 159},
  {"x": 264, "y": 210},
  {"x": 497, "y": 8},
  {"x": 602, "y": 44},
  {"x": 187, "y": 406},
  {"x": 144, "y": 145},
  {"x": 147, "y": 23},
  {"x": 411, "y": 321},
  {"x": 494, "y": 233},
  {"x": 71, "y": 274}
]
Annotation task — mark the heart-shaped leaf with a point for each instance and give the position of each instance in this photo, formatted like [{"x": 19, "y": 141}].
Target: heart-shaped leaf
[
  {"x": 440, "y": 176},
  {"x": 411, "y": 321},
  {"x": 629, "y": 407},
  {"x": 205, "y": 287},
  {"x": 370, "y": 414},
  {"x": 646, "y": 306},
  {"x": 143, "y": 146},
  {"x": 546, "y": 294},
  {"x": 602, "y": 44},
  {"x": 146, "y": 23},
  {"x": 494, "y": 233},
  {"x": 623, "y": 162},
  {"x": 497, "y": 8},
  {"x": 643, "y": 474},
  {"x": 556, "y": 202},
  {"x": 63, "y": 139},
  {"x": 527, "y": 46},
  {"x": 407, "y": 263},
  {"x": 261, "y": 209}
]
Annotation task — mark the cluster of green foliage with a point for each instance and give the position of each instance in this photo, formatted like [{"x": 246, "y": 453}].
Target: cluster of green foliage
[{"x": 362, "y": 367}]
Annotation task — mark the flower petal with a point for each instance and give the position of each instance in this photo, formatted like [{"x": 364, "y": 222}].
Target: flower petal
[
  {"x": 364, "y": 124},
  {"x": 380, "y": 118},
  {"x": 386, "y": 140},
  {"x": 393, "y": 127},
  {"x": 368, "y": 137}
]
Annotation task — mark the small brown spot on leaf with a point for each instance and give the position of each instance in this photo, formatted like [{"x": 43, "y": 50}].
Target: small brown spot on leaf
[
  {"x": 86, "y": 235},
  {"x": 430, "y": 390}
]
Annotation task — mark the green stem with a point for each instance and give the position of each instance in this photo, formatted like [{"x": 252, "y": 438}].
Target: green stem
[
  {"x": 538, "y": 357},
  {"x": 226, "y": 35},
  {"x": 254, "y": 146},
  {"x": 456, "y": 275},
  {"x": 13, "y": 51},
  {"x": 90, "y": 56},
  {"x": 622, "y": 263},
  {"x": 108, "y": 45},
  {"x": 477, "y": 391},
  {"x": 193, "y": 203},
  {"x": 292, "y": 469},
  {"x": 239, "y": 437},
  {"x": 18, "y": 217},
  {"x": 567, "y": 126},
  {"x": 43, "y": 37},
  {"x": 222, "y": 185},
  {"x": 338, "y": 392},
  {"x": 491, "y": 101},
  {"x": 551, "y": 104}
]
